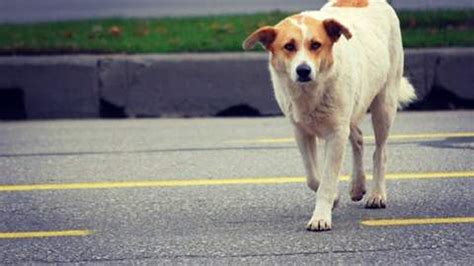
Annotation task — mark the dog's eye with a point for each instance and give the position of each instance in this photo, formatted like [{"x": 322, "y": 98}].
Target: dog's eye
[
  {"x": 290, "y": 47},
  {"x": 315, "y": 46}
]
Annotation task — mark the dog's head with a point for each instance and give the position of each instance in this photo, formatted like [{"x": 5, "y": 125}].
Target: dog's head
[{"x": 300, "y": 46}]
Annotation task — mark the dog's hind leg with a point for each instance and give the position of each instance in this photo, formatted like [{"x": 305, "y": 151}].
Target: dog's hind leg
[
  {"x": 307, "y": 147},
  {"x": 383, "y": 110},
  {"x": 357, "y": 186}
]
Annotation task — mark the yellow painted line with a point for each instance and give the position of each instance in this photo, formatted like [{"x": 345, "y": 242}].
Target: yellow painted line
[
  {"x": 432, "y": 175},
  {"x": 429, "y": 136},
  {"x": 418, "y": 221},
  {"x": 214, "y": 182},
  {"x": 153, "y": 183},
  {"x": 38, "y": 234},
  {"x": 420, "y": 136}
]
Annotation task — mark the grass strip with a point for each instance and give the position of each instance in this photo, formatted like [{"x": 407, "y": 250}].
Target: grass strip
[{"x": 204, "y": 34}]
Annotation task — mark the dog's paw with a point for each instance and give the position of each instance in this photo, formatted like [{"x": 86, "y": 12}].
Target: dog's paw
[
  {"x": 312, "y": 183},
  {"x": 318, "y": 225},
  {"x": 376, "y": 201},
  {"x": 357, "y": 192}
]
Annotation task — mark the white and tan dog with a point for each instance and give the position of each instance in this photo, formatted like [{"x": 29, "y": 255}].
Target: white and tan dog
[{"x": 325, "y": 84}]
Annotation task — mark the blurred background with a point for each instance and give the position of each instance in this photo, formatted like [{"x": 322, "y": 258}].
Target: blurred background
[
  {"x": 163, "y": 26},
  {"x": 48, "y": 10}
]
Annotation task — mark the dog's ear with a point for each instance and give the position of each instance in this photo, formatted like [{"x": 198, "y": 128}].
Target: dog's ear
[
  {"x": 265, "y": 36},
  {"x": 335, "y": 29}
]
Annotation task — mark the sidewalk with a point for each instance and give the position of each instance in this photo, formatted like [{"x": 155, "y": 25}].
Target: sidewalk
[{"x": 190, "y": 85}]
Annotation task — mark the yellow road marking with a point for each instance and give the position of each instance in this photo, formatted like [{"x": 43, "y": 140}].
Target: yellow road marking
[
  {"x": 429, "y": 136},
  {"x": 392, "y": 137},
  {"x": 213, "y": 182},
  {"x": 418, "y": 221},
  {"x": 38, "y": 234}
]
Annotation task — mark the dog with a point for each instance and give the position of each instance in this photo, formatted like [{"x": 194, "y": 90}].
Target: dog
[{"x": 328, "y": 69}]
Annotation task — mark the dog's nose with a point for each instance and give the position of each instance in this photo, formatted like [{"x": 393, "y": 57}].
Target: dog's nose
[{"x": 303, "y": 72}]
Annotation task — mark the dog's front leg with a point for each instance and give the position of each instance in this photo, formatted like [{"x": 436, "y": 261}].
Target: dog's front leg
[
  {"x": 327, "y": 193},
  {"x": 307, "y": 147}
]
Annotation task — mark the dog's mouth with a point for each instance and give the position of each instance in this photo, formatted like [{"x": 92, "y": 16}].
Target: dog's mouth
[{"x": 304, "y": 79}]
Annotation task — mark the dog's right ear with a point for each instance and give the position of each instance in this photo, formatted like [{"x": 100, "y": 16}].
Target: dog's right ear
[{"x": 265, "y": 36}]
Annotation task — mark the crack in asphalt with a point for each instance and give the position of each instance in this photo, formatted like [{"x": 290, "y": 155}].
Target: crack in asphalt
[{"x": 172, "y": 150}]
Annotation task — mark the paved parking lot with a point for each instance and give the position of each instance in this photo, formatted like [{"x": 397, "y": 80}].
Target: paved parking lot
[{"x": 226, "y": 191}]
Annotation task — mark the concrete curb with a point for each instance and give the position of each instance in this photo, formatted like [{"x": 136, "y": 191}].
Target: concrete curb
[{"x": 189, "y": 85}]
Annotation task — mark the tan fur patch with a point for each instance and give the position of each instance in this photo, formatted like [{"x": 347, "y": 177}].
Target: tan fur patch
[
  {"x": 265, "y": 35},
  {"x": 351, "y": 3},
  {"x": 288, "y": 32},
  {"x": 324, "y": 54}
]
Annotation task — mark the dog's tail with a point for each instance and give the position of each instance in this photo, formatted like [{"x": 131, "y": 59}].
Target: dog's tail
[{"x": 406, "y": 94}]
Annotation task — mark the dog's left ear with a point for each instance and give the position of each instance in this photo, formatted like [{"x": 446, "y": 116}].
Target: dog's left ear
[
  {"x": 335, "y": 29},
  {"x": 265, "y": 35}
]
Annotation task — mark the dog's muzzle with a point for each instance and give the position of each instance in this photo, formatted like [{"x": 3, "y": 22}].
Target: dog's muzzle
[{"x": 304, "y": 72}]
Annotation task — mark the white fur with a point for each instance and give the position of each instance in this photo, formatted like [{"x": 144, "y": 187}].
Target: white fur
[{"x": 366, "y": 74}]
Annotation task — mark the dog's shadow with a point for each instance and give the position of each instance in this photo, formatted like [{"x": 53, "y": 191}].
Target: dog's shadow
[{"x": 464, "y": 143}]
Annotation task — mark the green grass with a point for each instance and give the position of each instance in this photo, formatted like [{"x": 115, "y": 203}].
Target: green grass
[{"x": 205, "y": 34}]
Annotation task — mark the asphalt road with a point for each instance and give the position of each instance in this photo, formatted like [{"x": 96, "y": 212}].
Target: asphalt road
[
  {"x": 15, "y": 11},
  {"x": 222, "y": 191}
]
